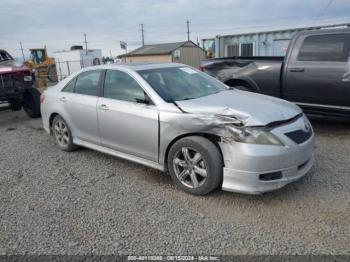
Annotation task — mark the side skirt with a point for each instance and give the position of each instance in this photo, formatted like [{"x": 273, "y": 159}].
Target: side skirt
[{"x": 115, "y": 153}]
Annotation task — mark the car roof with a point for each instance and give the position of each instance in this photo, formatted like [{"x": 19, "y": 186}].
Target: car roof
[{"x": 138, "y": 66}]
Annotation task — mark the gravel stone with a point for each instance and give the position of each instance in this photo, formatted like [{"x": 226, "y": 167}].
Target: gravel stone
[{"x": 85, "y": 202}]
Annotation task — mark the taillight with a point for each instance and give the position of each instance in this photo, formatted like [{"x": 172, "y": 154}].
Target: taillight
[{"x": 42, "y": 99}]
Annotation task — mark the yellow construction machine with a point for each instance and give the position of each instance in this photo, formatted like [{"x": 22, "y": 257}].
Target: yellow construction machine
[{"x": 43, "y": 65}]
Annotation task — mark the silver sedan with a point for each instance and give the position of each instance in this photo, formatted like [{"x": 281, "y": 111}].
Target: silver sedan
[{"x": 179, "y": 120}]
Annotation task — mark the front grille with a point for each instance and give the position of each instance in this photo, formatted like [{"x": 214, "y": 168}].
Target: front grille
[
  {"x": 11, "y": 81},
  {"x": 299, "y": 136}
]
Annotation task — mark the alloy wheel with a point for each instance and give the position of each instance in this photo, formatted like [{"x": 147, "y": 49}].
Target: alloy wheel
[
  {"x": 61, "y": 133},
  {"x": 190, "y": 167}
]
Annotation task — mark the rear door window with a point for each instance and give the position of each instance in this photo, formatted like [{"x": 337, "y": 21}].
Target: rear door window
[
  {"x": 87, "y": 83},
  {"x": 329, "y": 47}
]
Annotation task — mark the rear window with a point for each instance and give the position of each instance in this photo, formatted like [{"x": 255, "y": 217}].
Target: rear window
[{"x": 331, "y": 47}]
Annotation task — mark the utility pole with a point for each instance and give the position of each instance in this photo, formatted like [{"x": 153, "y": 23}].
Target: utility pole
[
  {"x": 86, "y": 50},
  {"x": 188, "y": 30},
  {"x": 142, "y": 35},
  {"x": 20, "y": 43}
]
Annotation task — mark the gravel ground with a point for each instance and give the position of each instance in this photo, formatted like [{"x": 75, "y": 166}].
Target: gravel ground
[{"x": 52, "y": 202}]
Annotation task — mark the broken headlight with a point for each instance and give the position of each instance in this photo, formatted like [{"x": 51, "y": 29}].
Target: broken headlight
[{"x": 256, "y": 135}]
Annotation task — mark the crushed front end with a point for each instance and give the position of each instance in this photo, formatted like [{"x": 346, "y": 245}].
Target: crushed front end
[
  {"x": 15, "y": 79},
  {"x": 268, "y": 157},
  {"x": 13, "y": 83}
]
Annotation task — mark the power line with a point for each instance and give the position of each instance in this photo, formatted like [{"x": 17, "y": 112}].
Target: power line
[
  {"x": 297, "y": 18},
  {"x": 330, "y": 2}
]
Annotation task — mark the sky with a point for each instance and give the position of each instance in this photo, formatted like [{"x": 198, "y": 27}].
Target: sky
[{"x": 59, "y": 24}]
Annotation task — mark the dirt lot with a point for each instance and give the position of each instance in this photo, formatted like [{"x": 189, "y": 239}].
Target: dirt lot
[{"x": 52, "y": 202}]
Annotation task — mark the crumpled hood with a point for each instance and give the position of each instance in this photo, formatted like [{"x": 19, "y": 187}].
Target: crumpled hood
[{"x": 251, "y": 108}]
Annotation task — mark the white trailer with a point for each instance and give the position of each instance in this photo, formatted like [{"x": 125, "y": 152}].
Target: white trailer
[{"x": 68, "y": 62}]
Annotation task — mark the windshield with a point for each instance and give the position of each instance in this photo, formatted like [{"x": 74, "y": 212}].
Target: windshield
[
  {"x": 37, "y": 56},
  {"x": 181, "y": 83},
  {"x": 4, "y": 56}
]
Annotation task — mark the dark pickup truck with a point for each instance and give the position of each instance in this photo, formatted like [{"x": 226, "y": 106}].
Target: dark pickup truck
[{"x": 315, "y": 73}]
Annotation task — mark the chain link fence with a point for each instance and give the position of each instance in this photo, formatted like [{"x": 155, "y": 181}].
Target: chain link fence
[{"x": 50, "y": 75}]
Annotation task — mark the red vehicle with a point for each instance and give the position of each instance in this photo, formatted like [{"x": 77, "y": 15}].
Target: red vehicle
[{"x": 16, "y": 86}]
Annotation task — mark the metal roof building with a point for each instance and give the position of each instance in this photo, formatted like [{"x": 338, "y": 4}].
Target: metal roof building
[
  {"x": 185, "y": 52},
  {"x": 265, "y": 43}
]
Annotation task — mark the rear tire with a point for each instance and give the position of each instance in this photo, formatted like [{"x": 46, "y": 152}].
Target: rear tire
[
  {"x": 195, "y": 165},
  {"x": 62, "y": 134},
  {"x": 96, "y": 61},
  {"x": 52, "y": 73},
  {"x": 31, "y": 102}
]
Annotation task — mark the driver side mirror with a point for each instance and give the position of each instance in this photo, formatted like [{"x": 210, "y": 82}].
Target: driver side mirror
[{"x": 146, "y": 100}]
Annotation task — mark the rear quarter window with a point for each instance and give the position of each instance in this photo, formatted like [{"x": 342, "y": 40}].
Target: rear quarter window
[
  {"x": 328, "y": 47},
  {"x": 69, "y": 88},
  {"x": 87, "y": 83}
]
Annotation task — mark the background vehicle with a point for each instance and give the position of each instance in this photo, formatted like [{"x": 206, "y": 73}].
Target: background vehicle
[
  {"x": 16, "y": 86},
  {"x": 314, "y": 74},
  {"x": 43, "y": 64},
  {"x": 69, "y": 62},
  {"x": 178, "y": 119}
]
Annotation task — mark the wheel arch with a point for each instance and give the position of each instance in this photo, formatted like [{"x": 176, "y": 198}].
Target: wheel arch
[
  {"x": 51, "y": 118},
  {"x": 243, "y": 81},
  {"x": 215, "y": 139}
]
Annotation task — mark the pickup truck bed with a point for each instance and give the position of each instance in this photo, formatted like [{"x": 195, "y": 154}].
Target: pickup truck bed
[{"x": 258, "y": 74}]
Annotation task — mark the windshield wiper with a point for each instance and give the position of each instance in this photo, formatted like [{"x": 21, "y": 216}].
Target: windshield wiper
[{"x": 187, "y": 98}]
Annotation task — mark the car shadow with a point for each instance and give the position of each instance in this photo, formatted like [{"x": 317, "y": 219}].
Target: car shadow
[{"x": 324, "y": 124}]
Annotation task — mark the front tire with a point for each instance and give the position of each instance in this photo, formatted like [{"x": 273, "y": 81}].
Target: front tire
[
  {"x": 195, "y": 165},
  {"x": 52, "y": 73},
  {"x": 62, "y": 134}
]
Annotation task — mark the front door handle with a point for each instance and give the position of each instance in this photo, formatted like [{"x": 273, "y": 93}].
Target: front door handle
[
  {"x": 63, "y": 99},
  {"x": 104, "y": 108},
  {"x": 297, "y": 70}
]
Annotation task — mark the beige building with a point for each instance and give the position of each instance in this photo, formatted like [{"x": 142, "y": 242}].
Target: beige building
[{"x": 181, "y": 52}]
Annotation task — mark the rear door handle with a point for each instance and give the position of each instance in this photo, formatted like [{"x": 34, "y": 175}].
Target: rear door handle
[
  {"x": 104, "y": 108},
  {"x": 297, "y": 70},
  {"x": 63, "y": 99}
]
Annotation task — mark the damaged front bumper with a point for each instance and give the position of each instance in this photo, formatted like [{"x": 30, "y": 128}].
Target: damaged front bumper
[{"x": 255, "y": 169}]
